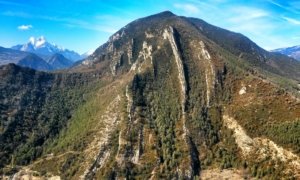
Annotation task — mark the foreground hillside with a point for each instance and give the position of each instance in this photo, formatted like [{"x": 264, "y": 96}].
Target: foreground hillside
[{"x": 166, "y": 97}]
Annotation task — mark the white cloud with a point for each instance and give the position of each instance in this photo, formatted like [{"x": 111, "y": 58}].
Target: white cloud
[
  {"x": 25, "y": 27},
  {"x": 292, "y": 21},
  {"x": 187, "y": 8}
]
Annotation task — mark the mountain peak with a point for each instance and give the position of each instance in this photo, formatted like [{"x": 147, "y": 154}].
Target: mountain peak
[
  {"x": 59, "y": 61},
  {"x": 165, "y": 13},
  {"x": 37, "y": 42},
  {"x": 32, "y": 40},
  {"x": 43, "y": 48},
  {"x": 40, "y": 41}
]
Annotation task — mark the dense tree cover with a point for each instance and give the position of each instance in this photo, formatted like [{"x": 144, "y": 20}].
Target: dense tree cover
[{"x": 35, "y": 109}]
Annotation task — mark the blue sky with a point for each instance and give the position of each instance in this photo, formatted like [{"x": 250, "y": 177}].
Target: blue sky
[{"x": 82, "y": 25}]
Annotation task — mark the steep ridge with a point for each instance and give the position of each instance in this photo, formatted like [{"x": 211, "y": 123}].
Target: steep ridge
[
  {"x": 241, "y": 46},
  {"x": 111, "y": 120},
  {"x": 169, "y": 34},
  {"x": 262, "y": 147},
  {"x": 164, "y": 99},
  {"x": 209, "y": 72}
]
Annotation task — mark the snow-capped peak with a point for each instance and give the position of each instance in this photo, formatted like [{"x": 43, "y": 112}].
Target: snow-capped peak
[
  {"x": 37, "y": 42},
  {"x": 32, "y": 40},
  {"x": 41, "y": 47},
  {"x": 40, "y": 41}
]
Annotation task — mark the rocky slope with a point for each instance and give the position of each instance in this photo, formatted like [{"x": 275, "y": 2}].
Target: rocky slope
[{"x": 166, "y": 97}]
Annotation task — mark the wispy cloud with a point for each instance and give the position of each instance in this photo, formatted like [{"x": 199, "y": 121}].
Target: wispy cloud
[
  {"x": 187, "y": 8},
  {"x": 10, "y": 3},
  {"x": 291, "y": 7},
  {"x": 94, "y": 27},
  {"x": 105, "y": 24},
  {"x": 218, "y": 1},
  {"x": 276, "y": 4},
  {"x": 69, "y": 22},
  {"x": 292, "y": 21},
  {"x": 244, "y": 14},
  {"x": 25, "y": 27},
  {"x": 295, "y": 4},
  {"x": 250, "y": 20},
  {"x": 16, "y": 14}
]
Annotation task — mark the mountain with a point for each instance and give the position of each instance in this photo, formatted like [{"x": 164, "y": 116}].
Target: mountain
[
  {"x": 86, "y": 54},
  {"x": 10, "y": 56},
  {"x": 293, "y": 52},
  {"x": 41, "y": 47},
  {"x": 35, "y": 62},
  {"x": 26, "y": 59},
  {"x": 167, "y": 97},
  {"x": 58, "y": 61},
  {"x": 23, "y": 59}
]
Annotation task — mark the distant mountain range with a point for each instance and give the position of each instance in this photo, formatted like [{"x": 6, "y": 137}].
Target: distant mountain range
[
  {"x": 31, "y": 60},
  {"x": 23, "y": 59},
  {"x": 40, "y": 54},
  {"x": 43, "y": 48},
  {"x": 293, "y": 52}
]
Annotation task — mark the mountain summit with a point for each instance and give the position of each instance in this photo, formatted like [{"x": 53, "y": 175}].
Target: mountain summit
[
  {"x": 37, "y": 43},
  {"x": 166, "y": 97},
  {"x": 43, "y": 48}
]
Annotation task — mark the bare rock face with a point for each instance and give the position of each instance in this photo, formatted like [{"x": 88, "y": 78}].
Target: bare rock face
[{"x": 166, "y": 97}]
